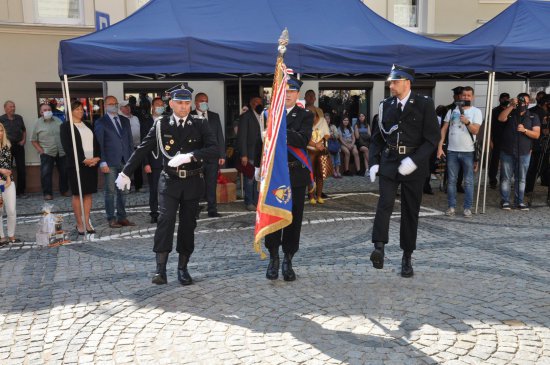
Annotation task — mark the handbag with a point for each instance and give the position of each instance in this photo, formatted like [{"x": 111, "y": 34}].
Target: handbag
[{"x": 333, "y": 146}]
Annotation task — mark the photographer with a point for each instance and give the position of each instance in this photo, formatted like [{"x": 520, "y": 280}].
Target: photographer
[
  {"x": 521, "y": 128},
  {"x": 538, "y": 164}
]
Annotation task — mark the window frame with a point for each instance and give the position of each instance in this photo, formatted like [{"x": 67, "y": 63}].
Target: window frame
[{"x": 59, "y": 21}]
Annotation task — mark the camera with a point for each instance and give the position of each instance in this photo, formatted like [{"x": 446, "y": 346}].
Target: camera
[{"x": 521, "y": 101}]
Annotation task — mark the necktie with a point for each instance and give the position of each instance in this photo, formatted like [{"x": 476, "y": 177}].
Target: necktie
[
  {"x": 399, "y": 110},
  {"x": 118, "y": 126},
  {"x": 180, "y": 129},
  {"x": 204, "y": 115}
]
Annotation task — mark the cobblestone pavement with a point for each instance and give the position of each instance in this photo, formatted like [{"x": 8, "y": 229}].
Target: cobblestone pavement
[{"x": 480, "y": 294}]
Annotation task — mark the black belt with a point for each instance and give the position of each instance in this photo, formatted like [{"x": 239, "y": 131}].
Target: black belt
[
  {"x": 183, "y": 174},
  {"x": 295, "y": 164},
  {"x": 402, "y": 150}
]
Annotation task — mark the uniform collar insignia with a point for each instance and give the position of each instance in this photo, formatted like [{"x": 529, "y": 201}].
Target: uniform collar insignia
[
  {"x": 172, "y": 122},
  {"x": 411, "y": 100},
  {"x": 293, "y": 114},
  {"x": 189, "y": 122}
]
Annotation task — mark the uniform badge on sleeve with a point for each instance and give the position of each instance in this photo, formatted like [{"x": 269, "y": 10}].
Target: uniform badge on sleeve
[
  {"x": 167, "y": 147},
  {"x": 171, "y": 141}
]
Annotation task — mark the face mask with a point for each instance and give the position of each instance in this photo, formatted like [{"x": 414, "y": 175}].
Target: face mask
[
  {"x": 522, "y": 108},
  {"x": 159, "y": 110},
  {"x": 112, "y": 109},
  {"x": 259, "y": 108},
  {"x": 504, "y": 103},
  {"x": 203, "y": 106},
  {"x": 48, "y": 114}
]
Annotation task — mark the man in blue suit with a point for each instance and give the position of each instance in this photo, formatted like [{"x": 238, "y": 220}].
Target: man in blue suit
[{"x": 114, "y": 135}]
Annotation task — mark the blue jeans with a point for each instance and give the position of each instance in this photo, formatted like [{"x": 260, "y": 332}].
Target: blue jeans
[
  {"x": 110, "y": 189},
  {"x": 454, "y": 161},
  {"x": 46, "y": 171},
  {"x": 335, "y": 159},
  {"x": 508, "y": 168}
]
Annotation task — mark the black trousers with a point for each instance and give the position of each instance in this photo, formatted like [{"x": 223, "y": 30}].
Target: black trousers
[
  {"x": 493, "y": 164},
  {"x": 211, "y": 181},
  {"x": 18, "y": 154},
  {"x": 153, "y": 179},
  {"x": 289, "y": 237},
  {"x": 411, "y": 197},
  {"x": 531, "y": 177},
  {"x": 169, "y": 202}
]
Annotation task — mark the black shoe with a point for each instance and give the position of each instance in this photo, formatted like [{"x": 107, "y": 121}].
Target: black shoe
[
  {"x": 493, "y": 184},
  {"x": 288, "y": 272},
  {"x": 198, "y": 213},
  {"x": 406, "y": 265},
  {"x": 324, "y": 196},
  {"x": 214, "y": 214},
  {"x": 154, "y": 219},
  {"x": 377, "y": 256},
  {"x": 160, "y": 277},
  {"x": 183, "y": 275},
  {"x": 273, "y": 267}
]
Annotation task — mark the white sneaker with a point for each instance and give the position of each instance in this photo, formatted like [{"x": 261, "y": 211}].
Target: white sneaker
[
  {"x": 450, "y": 212},
  {"x": 467, "y": 213}
]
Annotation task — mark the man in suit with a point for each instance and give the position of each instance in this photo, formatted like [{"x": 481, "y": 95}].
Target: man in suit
[
  {"x": 211, "y": 167},
  {"x": 114, "y": 135},
  {"x": 248, "y": 135},
  {"x": 401, "y": 145},
  {"x": 153, "y": 160},
  {"x": 185, "y": 142},
  {"x": 299, "y": 125}
]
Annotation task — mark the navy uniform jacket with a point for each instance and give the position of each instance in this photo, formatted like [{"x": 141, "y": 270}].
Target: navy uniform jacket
[
  {"x": 417, "y": 127},
  {"x": 196, "y": 138}
]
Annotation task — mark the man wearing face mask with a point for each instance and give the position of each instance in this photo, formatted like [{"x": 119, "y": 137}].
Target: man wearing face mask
[
  {"x": 211, "y": 167},
  {"x": 47, "y": 141},
  {"x": 496, "y": 139},
  {"x": 114, "y": 134},
  {"x": 463, "y": 123},
  {"x": 249, "y": 137},
  {"x": 521, "y": 128},
  {"x": 153, "y": 160}
]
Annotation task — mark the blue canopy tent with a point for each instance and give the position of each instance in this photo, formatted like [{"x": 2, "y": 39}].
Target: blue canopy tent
[
  {"x": 174, "y": 37},
  {"x": 519, "y": 36}
]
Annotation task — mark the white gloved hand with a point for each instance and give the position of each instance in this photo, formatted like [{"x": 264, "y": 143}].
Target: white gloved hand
[
  {"x": 180, "y": 159},
  {"x": 123, "y": 182},
  {"x": 407, "y": 166},
  {"x": 373, "y": 171},
  {"x": 257, "y": 173}
]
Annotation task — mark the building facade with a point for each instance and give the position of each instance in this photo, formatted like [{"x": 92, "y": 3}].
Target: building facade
[{"x": 30, "y": 32}]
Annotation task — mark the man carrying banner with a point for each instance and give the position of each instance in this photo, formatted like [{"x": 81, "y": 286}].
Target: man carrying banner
[{"x": 402, "y": 142}]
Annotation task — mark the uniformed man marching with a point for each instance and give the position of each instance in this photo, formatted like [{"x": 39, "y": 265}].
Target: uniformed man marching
[
  {"x": 184, "y": 143},
  {"x": 299, "y": 124},
  {"x": 402, "y": 141}
]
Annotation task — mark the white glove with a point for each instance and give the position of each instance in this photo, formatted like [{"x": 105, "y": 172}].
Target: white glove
[
  {"x": 180, "y": 159},
  {"x": 373, "y": 171},
  {"x": 123, "y": 182},
  {"x": 407, "y": 166},
  {"x": 257, "y": 173}
]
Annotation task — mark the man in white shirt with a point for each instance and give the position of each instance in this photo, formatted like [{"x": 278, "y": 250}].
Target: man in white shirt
[{"x": 463, "y": 123}]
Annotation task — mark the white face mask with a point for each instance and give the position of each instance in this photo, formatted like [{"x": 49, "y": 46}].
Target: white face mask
[
  {"x": 48, "y": 114},
  {"x": 159, "y": 110},
  {"x": 203, "y": 106}
]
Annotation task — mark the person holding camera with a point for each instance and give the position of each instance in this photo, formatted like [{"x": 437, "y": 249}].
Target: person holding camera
[
  {"x": 463, "y": 123},
  {"x": 521, "y": 128}
]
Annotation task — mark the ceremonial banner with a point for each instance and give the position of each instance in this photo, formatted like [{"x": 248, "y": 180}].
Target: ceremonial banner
[{"x": 274, "y": 209}]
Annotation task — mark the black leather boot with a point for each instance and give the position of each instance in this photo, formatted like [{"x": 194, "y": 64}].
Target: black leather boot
[
  {"x": 183, "y": 275},
  {"x": 377, "y": 256},
  {"x": 406, "y": 265},
  {"x": 160, "y": 277},
  {"x": 273, "y": 267},
  {"x": 288, "y": 273}
]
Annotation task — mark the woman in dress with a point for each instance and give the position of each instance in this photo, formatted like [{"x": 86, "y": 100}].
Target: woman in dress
[
  {"x": 88, "y": 155},
  {"x": 362, "y": 138},
  {"x": 315, "y": 148},
  {"x": 347, "y": 139},
  {"x": 9, "y": 194}
]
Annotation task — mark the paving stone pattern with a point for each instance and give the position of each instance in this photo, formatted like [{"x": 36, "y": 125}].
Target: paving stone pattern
[{"x": 480, "y": 294}]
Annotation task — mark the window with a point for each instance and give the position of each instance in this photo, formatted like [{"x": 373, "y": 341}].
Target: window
[
  {"x": 59, "y": 11},
  {"x": 405, "y": 13}
]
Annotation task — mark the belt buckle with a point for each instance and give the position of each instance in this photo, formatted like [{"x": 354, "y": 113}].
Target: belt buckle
[
  {"x": 182, "y": 174},
  {"x": 402, "y": 150}
]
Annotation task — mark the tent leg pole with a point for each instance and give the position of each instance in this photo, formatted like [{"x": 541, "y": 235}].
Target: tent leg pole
[
  {"x": 105, "y": 89},
  {"x": 65, "y": 101},
  {"x": 527, "y": 85},
  {"x": 485, "y": 145},
  {"x": 75, "y": 154},
  {"x": 487, "y": 142},
  {"x": 240, "y": 94}
]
